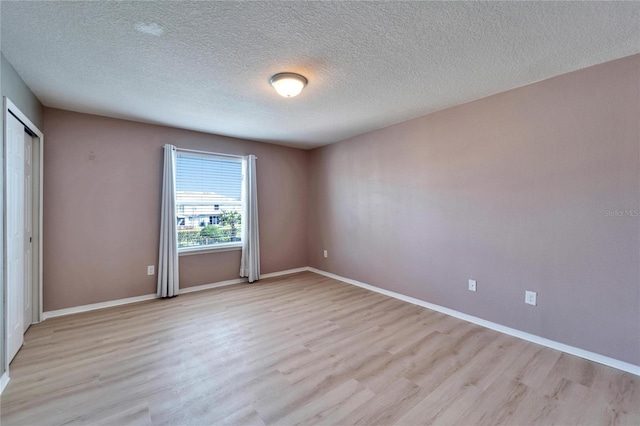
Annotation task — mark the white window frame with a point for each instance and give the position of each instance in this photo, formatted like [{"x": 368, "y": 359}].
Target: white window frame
[{"x": 236, "y": 245}]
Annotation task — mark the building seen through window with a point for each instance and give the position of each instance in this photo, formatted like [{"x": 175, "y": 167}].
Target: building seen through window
[{"x": 208, "y": 201}]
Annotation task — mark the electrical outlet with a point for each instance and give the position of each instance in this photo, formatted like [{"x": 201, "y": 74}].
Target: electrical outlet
[
  {"x": 530, "y": 297},
  {"x": 472, "y": 285},
  {"x": 325, "y": 254},
  {"x": 151, "y": 270}
]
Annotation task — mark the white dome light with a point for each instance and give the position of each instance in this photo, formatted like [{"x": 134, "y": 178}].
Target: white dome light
[{"x": 288, "y": 84}]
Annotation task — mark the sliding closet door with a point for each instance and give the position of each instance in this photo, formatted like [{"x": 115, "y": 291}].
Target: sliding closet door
[
  {"x": 15, "y": 234},
  {"x": 28, "y": 231}
]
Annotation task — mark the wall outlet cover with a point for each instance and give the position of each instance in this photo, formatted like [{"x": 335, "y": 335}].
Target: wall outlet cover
[
  {"x": 151, "y": 270},
  {"x": 530, "y": 297},
  {"x": 472, "y": 285}
]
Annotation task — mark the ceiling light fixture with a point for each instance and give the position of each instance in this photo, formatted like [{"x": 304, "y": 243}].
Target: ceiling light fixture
[{"x": 288, "y": 84}]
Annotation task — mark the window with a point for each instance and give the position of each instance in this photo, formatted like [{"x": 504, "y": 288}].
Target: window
[{"x": 209, "y": 194}]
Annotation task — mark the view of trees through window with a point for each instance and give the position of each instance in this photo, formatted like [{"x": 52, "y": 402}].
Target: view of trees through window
[{"x": 208, "y": 200}]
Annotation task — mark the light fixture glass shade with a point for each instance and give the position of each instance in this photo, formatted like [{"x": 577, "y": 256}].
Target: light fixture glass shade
[{"x": 288, "y": 84}]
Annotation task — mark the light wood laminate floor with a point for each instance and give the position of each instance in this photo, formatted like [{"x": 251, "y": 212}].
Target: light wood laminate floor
[{"x": 299, "y": 349}]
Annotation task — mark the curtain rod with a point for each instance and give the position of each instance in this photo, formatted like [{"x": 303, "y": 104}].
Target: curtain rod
[{"x": 208, "y": 152}]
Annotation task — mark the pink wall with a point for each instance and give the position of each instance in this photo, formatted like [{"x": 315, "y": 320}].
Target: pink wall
[
  {"x": 513, "y": 191},
  {"x": 521, "y": 190},
  {"x": 102, "y": 181}
]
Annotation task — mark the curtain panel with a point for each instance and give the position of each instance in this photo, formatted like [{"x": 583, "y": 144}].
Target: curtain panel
[
  {"x": 250, "y": 260},
  {"x": 168, "y": 256}
]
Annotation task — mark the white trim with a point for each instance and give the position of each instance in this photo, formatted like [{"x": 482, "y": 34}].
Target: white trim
[
  {"x": 591, "y": 356},
  {"x": 286, "y": 272},
  {"x": 190, "y": 251},
  {"x": 210, "y": 154},
  {"x": 41, "y": 232},
  {"x": 212, "y": 285},
  {"x": 241, "y": 280},
  {"x": 10, "y": 106},
  {"x": 96, "y": 306},
  {"x": 7, "y": 106},
  {"x": 4, "y": 381},
  {"x": 20, "y": 116},
  {"x": 126, "y": 301}
]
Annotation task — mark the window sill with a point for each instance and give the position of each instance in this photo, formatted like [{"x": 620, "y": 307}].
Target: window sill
[{"x": 204, "y": 250}]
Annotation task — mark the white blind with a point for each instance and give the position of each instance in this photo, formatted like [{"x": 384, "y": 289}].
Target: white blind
[{"x": 208, "y": 200}]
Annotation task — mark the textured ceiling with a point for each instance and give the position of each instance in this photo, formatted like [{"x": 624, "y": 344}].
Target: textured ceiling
[{"x": 206, "y": 66}]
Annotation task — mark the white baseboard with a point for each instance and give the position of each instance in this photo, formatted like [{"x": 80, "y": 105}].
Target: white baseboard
[
  {"x": 286, "y": 272},
  {"x": 241, "y": 280},
  {"x": 212, "y": 285},
  {"x": 126, "y": 301},
  {"x": 592, "y": 356},
  {"x": 96, "y": 306},
  {"x": 4, "y": 381}
]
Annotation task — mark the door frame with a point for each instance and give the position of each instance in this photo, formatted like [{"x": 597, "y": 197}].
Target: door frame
[{"x": 38, "y": 155}]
